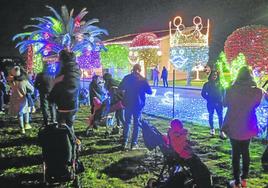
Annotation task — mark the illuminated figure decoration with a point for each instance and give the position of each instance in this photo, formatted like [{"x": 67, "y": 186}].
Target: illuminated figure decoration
[
  {"x": 252, "y": 42},
  {"x": 197, "y": 69},
  {"x": 62, "y": 32},
  {"x": 145, "y": 50},
  {"x": 188, "y": 45}
]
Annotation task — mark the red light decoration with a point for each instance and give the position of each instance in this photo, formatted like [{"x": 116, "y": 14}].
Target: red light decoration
[
  {"x": 145, "y": 40},
  {"x": 252, "y": 41},
  {"x": 30, "y": 59}
]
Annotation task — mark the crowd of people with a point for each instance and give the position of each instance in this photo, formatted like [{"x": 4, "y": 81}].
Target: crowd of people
[{"x": 59, "y": 95}]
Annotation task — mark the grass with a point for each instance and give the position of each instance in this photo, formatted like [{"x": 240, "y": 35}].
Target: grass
[
  {"x": 178, "y": 83},
  {"x": 109, "y": 167}
]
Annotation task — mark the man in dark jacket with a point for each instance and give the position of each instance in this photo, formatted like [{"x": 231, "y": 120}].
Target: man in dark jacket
[
  {"x": 135, "y": 87},
  {"x": 44, "y": 83},
  {"x": 213, "y": 92},
  {"x": 65, "y": 93},
  {"x": 164, "y": 76}
]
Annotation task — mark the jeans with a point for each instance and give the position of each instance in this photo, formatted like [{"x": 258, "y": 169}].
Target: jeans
[
  {"x": 155, "y": 81},
  {"x": 46, "y": 108},
  {"x": 240, "y": 147},
  {"x": 211, "y": 108},
  {"x": 165, "y": 82},
  {"x": 136, "y": 121},
  {"x": 67, "y": 118},
  {"x": 23, "y": 119},
  {"x": 119, "y": 115}
]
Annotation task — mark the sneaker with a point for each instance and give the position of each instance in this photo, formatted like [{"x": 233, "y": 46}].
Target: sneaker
[
  {"x": 243, "y": 182},
  {"x": 135, "y": 147},
  {"x": 27, "y": 126},
  {"x": 212, "y": 132},
  {"x": 222, "y": 135},
  {"x": 23, "y": 131},
  {"x": 124, "y": 146},
  {"x": 233, "y": 185},
  {"x": 1, "y": 112}
]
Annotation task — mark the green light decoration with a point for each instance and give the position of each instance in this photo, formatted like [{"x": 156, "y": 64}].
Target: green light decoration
[
  {"x": 149, "y": 56},
  {"x": 223, "y": 68},
  {"x": 37, "y": 57},
  {"x": 115, "y": 57},
  {"x": 236, "y": 64}
]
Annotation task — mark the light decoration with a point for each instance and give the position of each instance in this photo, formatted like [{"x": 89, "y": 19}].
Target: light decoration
[
  {"x": 236, "y": 64},
  {"x": 197, "y": 69},
  {"x": 145, "y": 47},
  {"x": 252, "y": 42},
  {"x": 62, "y": 32},
  {"x": 30, "y": 54},
  {"x": 89, "y": 60},
  {"x": 224, "y": 70},
  {"x": 115, "y": 57},
  {"x": 188, "y": 45},
  {"x": 191, "y": 107}
]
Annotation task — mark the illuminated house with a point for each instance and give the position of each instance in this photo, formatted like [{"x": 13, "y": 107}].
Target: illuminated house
[{"x": 165, "y": 44}]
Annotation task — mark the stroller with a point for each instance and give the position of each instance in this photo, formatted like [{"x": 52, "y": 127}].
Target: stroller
[
  {"x": 60, "y": 149},
  {"x": 84, "y": 97},
  {"x": 103, "y": 114},
  {"x": 175, "y": 172}
]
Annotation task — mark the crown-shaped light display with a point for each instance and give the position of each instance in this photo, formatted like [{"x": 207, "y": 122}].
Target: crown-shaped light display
[{"x": 188, "y": 36}]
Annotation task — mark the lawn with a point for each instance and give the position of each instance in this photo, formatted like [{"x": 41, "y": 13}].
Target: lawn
[
  {"x": 182, "y": 83},
  {"x": 108, "y": 166}
]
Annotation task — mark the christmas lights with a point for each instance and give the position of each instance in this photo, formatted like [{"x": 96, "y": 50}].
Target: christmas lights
[
  {"x": 251, "y": 41},
  {"x": 116, "y": 56},
  {"x": 89, "y": 60}
]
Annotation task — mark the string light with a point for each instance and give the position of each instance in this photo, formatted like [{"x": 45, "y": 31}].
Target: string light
[
  {"x": 89, "y": 60},
  {"x": 116, "y": 56}
]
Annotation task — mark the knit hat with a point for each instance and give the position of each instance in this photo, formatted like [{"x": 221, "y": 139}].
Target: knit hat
[{"x": 176, "y": 124}]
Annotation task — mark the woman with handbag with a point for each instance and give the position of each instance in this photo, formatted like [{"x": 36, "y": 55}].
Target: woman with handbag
[{"x": 240, "y": 122}]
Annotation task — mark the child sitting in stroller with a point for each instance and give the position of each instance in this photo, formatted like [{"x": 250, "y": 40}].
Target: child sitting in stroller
[{"x": 178, "y": 154}]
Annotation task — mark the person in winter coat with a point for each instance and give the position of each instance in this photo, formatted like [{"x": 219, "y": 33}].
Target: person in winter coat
[
  {"x": 44, "y": 84},
  {"x": 95, "y": 90},
  {"x": 111, "y": 85},
  {"x": 65, "y": 92},
  {"x": 135, "y": 87},
  {"x": 240, "y": 122},
  {"x": 213, "y": 92},
  {"x": 18, "y": 102},
  {"x": 164, "y": 76},
  {"x": 155, "y": 76},
  {"x": 2, "y": 92},
  {"x": 178, "y": 139}
]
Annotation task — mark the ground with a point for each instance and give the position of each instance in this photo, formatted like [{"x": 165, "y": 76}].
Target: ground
[{"x": 106, "y": 165}]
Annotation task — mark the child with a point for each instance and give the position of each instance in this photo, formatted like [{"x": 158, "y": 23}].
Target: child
[{"x": 178, "y": 140}]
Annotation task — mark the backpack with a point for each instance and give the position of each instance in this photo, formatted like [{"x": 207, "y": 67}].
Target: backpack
[
  {"x": 151, "y": 136},
  {"x": 264, "y": 160}
]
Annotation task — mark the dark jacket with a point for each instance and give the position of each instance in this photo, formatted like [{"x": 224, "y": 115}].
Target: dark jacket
[
  {"x": 213, "y": 92},
  {"x": 95, "y": 90},
  {"x": 164, "y": 74},
  {"x": 115, "y": 93},
  {"x": 65, "y": 93},
  {"x": 44, "y": 83},
  {"x": 135, "y": 87}
]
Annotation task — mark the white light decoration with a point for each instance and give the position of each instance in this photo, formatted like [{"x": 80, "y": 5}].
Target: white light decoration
[
  {"x": 159, "y": 53},
  {"x": 198, "y": 68}
]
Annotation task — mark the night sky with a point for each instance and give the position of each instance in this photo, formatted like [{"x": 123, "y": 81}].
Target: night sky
[{"x": 122, "y": 17}]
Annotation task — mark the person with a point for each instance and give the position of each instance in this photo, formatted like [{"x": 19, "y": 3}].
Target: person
[
  {"x": 213, "y": 92},
  {"x": 96, "y": 91},
  {"x": 240, "y": 121},
  {"x": 164, "y": 76},
  {"x": 135, "y": 87},
  {"x": 177, "y": 137},
  {"x": 65, "y": 92},
  {"x": 2, "y": 92},
  {"x": 18, "y": 101},
  {"x": 155, "y": 76},
  {"x": 44, "y": 84},
  {"x": 111, "y": 85}
]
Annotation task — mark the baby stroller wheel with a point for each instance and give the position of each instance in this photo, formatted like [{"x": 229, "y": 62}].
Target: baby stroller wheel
[
  {"x": 152, "y": 183},
  {"x": 89, "y": 132}
]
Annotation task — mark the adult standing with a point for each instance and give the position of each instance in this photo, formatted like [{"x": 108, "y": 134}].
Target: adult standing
[
  {"x": 135, "y": 87},
  {"x": 164, "y": 76},
  {"x": 44, "y": 83},
  {"x": 2, "y": 91},
  {"x": 155, "y": 76},
  {"x": 18, "y": 102},
  {"x": 65, "y": 92},
  {"x": 240, "y": 122},
  {"x": 213, "y": 92}
]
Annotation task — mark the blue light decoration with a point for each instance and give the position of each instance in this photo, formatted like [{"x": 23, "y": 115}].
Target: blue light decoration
[
  {"x": 191, "y": 107},
  {"x": 89, "y": 60},
  {"x": 62, "y": 32},
  {"x": 188, "y": 45}
]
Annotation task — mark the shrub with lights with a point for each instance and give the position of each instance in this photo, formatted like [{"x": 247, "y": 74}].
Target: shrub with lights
[
  {"x": 252, "y": 42},
  {"x": 145, "y": 48},
  {"x": 188, "y": 45},
  {"x": 53, "y": 34}
]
